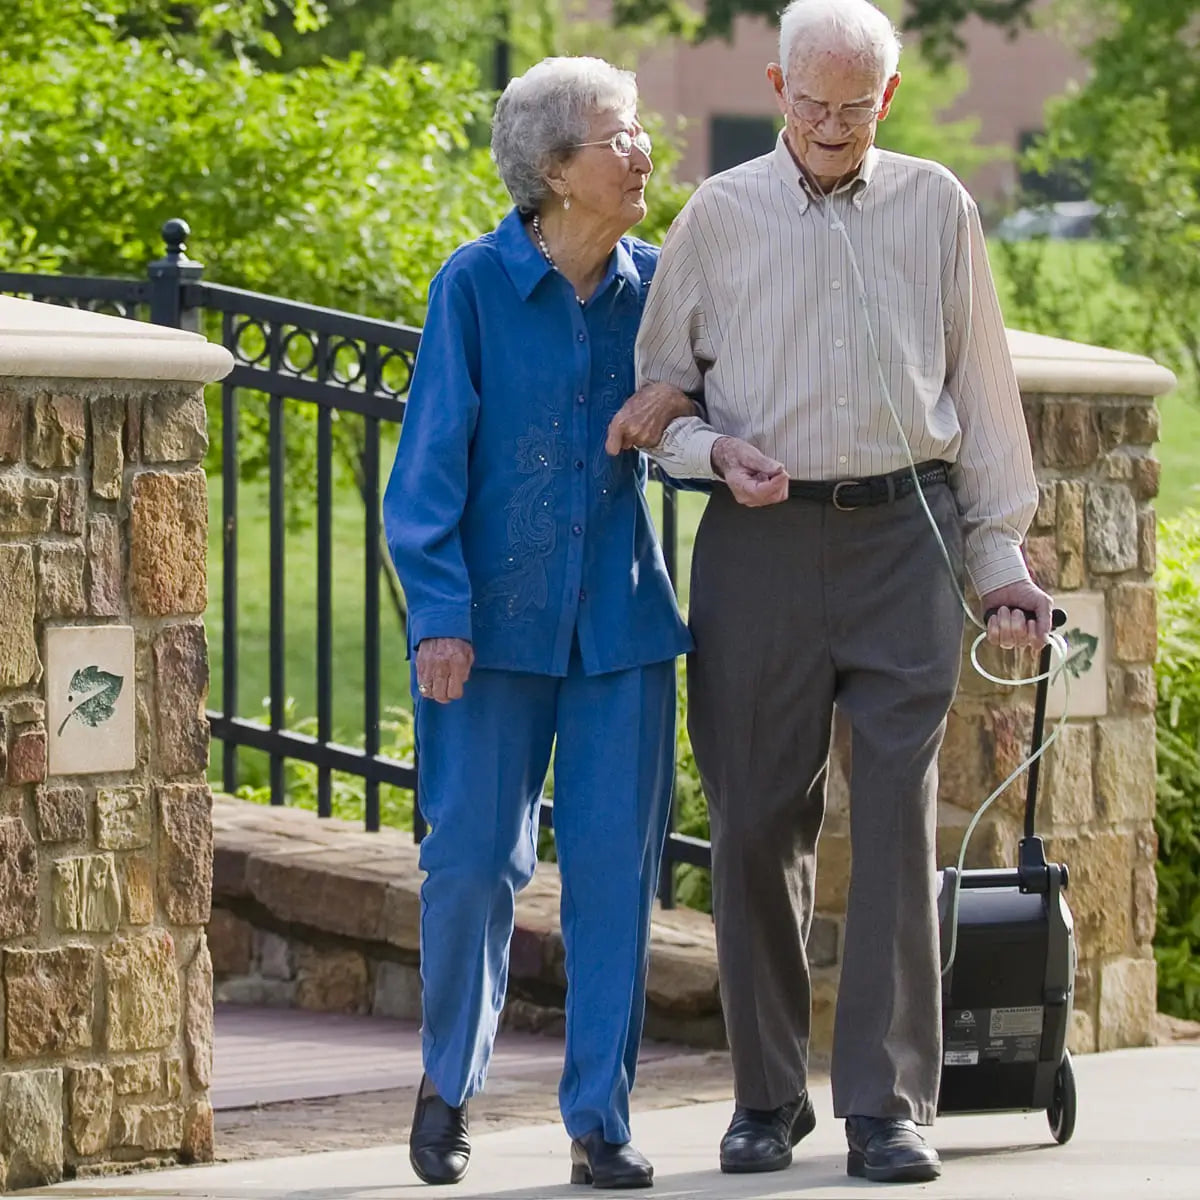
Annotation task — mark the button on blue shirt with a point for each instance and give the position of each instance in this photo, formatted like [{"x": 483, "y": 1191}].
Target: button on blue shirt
[{"x": 495, "y": 537}]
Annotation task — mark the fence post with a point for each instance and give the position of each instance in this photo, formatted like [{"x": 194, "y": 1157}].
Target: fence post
[{"x": 168, "y": 277}]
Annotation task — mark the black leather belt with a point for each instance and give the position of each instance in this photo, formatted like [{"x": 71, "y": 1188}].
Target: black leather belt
[{"x": 849, "y": 494}]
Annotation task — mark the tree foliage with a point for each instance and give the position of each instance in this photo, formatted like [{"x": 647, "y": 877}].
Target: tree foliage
[
  {"x": 1177, "y": 941},
  {"x": 341, "y": 184},
  {"x": 1132, "y": 126},
  {"x": 937, "y": 22},
  {"x": 917, "y": 123},
  {"x": 344, "y": 184}
]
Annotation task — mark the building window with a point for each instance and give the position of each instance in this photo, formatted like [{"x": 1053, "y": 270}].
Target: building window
[{"x": 733, "y": 140}]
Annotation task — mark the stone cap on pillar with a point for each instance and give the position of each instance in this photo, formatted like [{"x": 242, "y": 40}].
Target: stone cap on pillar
[
  {"x": 1050, "y": 364},
  {"x": 39, "y": 340}
]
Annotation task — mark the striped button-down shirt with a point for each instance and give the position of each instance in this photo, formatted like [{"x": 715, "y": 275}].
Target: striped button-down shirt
[{"x": 798, "y": 316}]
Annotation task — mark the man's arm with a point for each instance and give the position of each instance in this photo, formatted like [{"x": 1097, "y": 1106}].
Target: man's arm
[
  {"x": 993, "y": 479},
  {"x": 673, "y": 348}
]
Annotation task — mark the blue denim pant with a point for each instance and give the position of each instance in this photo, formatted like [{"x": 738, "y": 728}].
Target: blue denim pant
[{"x": 483, "y": 760}]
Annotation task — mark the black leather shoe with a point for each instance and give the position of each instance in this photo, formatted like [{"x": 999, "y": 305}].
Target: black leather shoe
[
  {"x": 440, "y": 1145},
  {"x": 889, "y": 1151},
  {"x": 607, "y": 1164},
  {"x": 761, "y": 1139}
]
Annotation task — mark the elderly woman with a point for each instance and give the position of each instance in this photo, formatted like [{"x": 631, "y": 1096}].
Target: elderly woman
[{"x": 540, "y": 613}]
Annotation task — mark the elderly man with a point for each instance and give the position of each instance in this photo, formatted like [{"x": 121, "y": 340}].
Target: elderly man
[{"x": 833, "y": 304}]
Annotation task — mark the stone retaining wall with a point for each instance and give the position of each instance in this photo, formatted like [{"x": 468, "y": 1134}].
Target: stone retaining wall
[{"x": 323, "y": 916}]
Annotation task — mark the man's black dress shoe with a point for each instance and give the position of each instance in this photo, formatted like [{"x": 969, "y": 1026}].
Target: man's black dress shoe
[
  {"x": 608, "y": 1164},
  {"x": 440, "y": 1145},
  {"x": 889, "y": 1151},
  {"x": 761, "y": 1139}
]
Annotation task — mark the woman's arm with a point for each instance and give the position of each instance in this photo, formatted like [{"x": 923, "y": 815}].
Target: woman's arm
[{"x": 427, "y": 491}]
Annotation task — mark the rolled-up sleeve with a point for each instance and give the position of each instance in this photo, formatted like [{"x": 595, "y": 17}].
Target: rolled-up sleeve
[
  {"x": 993, "y": 479},
  {"x": 427, "y": 491},
  {"x": 673, "y": 347}
]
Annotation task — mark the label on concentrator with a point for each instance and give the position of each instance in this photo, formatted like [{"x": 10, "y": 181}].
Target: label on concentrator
[
  {"x": 1016, "y": 1022},
  {"x": 1000, "y": 1035},
  {"x": 961, "y": 1058}
]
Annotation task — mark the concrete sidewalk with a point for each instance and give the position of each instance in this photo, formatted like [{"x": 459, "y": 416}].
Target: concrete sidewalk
[{"x": 1137, "y": 1138}]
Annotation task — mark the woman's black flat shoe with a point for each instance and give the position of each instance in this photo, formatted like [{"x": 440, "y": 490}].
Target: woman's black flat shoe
[
  {"x": 607, "y": 1164},
  {"x": 439, "y": 1147}
]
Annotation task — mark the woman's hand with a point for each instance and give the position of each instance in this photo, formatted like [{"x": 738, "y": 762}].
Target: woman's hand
[
  {"x": 443, "y": 667},
  {"x": 644, "y": 417}
]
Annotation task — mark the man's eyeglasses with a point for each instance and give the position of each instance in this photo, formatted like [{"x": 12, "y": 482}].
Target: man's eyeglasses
[
  {"x": 622, "y": 143},
  {"x": 813, "y": 112}
]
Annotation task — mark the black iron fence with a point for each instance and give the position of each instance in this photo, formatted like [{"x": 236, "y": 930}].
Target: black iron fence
[{"x": 344, "y": 366}]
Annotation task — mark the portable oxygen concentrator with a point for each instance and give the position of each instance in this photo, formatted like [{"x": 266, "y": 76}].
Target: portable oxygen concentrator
[{"x": 1007, "y": 997}]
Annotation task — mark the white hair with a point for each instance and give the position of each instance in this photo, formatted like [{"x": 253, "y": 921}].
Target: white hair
[
  {"x": 828, "y": 24},
  {"x": 547, "y": 111}
]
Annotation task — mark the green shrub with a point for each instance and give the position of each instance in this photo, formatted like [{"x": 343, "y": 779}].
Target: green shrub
[
  {"x": 348, "y": 791},
  {"x": 1177, "y": 941}
]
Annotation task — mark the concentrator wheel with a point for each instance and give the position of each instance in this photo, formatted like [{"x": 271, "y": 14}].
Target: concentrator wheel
[{"x": 1062, "y": 1107}]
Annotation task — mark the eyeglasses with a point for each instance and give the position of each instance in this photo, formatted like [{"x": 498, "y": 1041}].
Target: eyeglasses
[
  {"x": 813, "y": 112},
  {"x": 622, "y": 143}
]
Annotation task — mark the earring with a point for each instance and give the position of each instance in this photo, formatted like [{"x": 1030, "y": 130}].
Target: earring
[{"x": 566, "y": 202}]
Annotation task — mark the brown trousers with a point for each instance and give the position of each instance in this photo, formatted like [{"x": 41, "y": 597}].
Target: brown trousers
[{"x": 797, "y": 608}]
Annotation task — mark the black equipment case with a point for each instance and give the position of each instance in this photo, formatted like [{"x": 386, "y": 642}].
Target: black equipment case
[{"x": 1007, "y": 998}]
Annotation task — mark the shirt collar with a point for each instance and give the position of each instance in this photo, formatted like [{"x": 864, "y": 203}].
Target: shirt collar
[
  {"x": 623, "y": 267},
  {"x": 527, "y": 266},
  {"x": 789, "y": 171},
  {"x": 522, "y": 260}
]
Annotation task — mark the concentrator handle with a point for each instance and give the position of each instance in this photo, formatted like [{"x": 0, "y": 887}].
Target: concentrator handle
[{"x": 1058, "y": 618}]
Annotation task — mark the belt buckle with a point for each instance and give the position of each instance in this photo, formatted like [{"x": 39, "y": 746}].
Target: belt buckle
[{"x": 837, "y": 487}]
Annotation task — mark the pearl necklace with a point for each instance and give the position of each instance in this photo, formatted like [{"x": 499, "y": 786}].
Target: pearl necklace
[{"x": 541, "y": 241}]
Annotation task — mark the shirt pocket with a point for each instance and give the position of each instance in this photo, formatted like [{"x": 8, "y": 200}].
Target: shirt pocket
[{"x": 905, "y": 319}]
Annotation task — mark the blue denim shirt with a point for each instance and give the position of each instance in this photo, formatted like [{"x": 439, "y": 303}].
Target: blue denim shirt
[{"x": 509, "y": 524}]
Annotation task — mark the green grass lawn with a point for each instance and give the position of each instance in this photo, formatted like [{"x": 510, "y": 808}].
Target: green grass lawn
[
  {"x": 1179, "y": 451},
  {"x": 300, "y": 640}
]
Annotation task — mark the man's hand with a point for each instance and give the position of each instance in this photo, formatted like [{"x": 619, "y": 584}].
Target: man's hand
[
  {"x": 443, "y": 666},
  {"x": 1010, "y": 628},
  {"x": 644, "y": 417},
  {"x": 754, "y": 479}
]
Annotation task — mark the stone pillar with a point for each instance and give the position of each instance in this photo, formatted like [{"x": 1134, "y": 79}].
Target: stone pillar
[
  {"x": 105, "y": 827},
  {"x": 1092, "y": 423}
]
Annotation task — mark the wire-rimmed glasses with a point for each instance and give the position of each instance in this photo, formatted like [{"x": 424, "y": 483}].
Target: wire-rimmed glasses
[
  {"x": 813, "y": 112},
  {"x": 622, "y": 142}
]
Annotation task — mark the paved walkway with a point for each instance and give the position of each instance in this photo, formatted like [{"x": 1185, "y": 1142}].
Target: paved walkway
[{"x": 1138, "y": 1138}]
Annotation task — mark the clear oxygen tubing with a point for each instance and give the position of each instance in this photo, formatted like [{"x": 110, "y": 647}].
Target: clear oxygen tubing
[{"x": 1060, "y": 652}]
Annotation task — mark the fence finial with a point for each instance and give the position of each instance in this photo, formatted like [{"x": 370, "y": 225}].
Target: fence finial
[{"x": 175, "y": 233}]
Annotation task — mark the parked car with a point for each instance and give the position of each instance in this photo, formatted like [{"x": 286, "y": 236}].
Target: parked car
[{"x": 1066, "y": 219}]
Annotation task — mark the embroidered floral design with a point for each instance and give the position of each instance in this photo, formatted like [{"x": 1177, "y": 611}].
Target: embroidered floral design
[{"x": 532, "y": 530}]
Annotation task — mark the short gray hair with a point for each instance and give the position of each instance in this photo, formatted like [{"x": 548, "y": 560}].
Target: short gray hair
[
  {"x": 545, "y": 112},
  {"x": 824, "y": 24}
]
